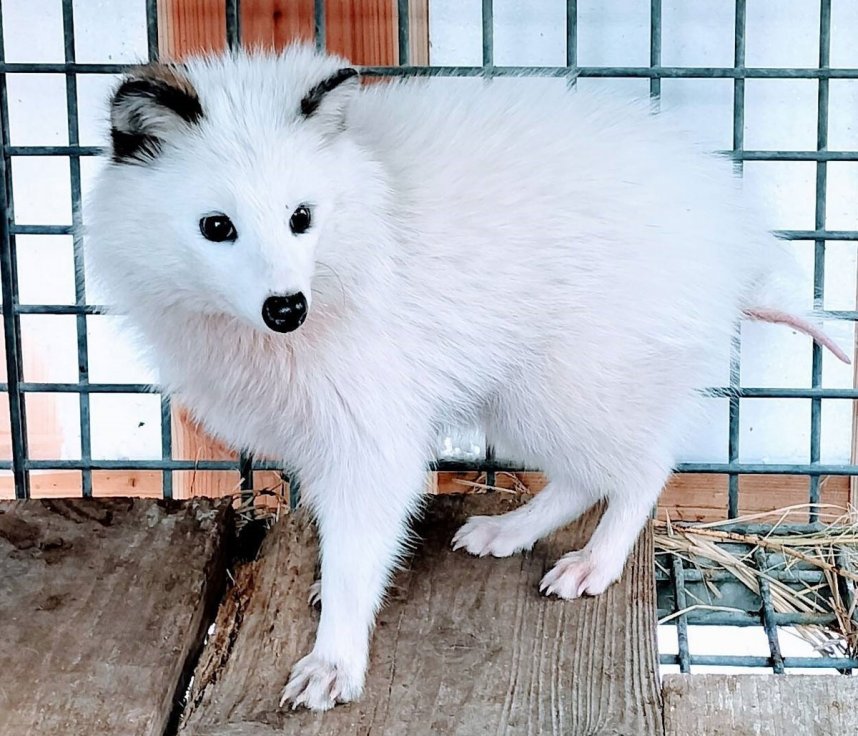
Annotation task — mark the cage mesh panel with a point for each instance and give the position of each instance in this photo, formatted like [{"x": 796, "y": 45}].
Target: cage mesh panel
[{"x": 674, "y": 581}]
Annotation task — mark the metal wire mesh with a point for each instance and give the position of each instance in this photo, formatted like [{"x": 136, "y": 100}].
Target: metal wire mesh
[
  {"x": 674, "y": 592},
  {"x": 685, "y": 598}
]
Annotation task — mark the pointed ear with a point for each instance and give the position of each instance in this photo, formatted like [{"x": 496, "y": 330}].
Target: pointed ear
[
  {"x": 328, "y": 100},
  {"x": 152, "y": 104}
]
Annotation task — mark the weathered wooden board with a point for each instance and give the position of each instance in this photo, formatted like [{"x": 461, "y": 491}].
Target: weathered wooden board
[
  {"x": 102, "y": 605},
  {"x": 760, "y": 705},
  {"x": 464, "y": 646}
]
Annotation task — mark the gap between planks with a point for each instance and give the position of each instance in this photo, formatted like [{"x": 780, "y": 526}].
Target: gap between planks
[{"x": 463, "y": 646}]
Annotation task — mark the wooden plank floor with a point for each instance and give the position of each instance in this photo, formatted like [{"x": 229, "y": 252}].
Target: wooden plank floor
[
  {"x": 760, "y": 705},
  {"x": 465, "y": 646},
  {"x": 102, "y": 605}
]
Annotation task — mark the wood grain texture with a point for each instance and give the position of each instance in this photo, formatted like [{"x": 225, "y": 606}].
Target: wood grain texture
[
  {"x": 191, "y": 442},
  {"x": 464, "y": 646},
  {"x": 418, "y": 39},
  {"x": 273, "y": 24},
  {"x": 364, "y": 31},
  {"x": 187, "y": 27},
  {"x": 102, "y": 604},
  {"x": 760, "y": 705}
]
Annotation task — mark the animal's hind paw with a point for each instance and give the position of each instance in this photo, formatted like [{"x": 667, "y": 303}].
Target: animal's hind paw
[
  {"x": 490, "y": 535},
  {"x": 580, "y": 573},
  {"x": 319, "y": 685}
]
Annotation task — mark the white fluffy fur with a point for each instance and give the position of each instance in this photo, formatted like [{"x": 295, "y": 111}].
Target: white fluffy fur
[{"x": 555, "y": 265}]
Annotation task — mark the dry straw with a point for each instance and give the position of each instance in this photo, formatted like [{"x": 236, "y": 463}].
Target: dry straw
[{"x": 830, "y": 548}]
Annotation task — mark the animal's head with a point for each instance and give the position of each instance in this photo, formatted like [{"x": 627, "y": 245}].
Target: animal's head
[{"x": 224, "y": 175}]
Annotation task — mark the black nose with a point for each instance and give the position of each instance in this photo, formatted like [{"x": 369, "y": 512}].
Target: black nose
[{"x": 284, "y": 313}]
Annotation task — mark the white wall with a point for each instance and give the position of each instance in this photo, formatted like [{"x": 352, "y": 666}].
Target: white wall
[{"x": 779, "y": 114}]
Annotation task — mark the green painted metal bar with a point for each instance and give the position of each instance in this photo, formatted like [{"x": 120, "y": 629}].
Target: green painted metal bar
[
  {"x": 319, "y": 24},
  {"x": 681, "y": 620},
  {"x": 572, "y": 38},
  {"x": 630, "y": 72},
  {"x": 755, "y": 528},
  {"x": 166, "y": 446},
  {"x": 809, "y": 469},
  {"x": 633, "y": 72},
  {"x": 744, "y": 393},
  {"x": 655, "y": 48},
  {"x": 104, "y": 464},
  {"x": 734, "y": 408},
  {"x": 9, "y": 288},
  {"x": 726, "y": 660},
  {"x": 767, "y": 613},
  {"x": 233, "y": 23},
  {"x": 77, "y": 238},
  {"x": 733, "y": 426},
  {"x": 819, "y": 244},
  {"x": 849, "y": 235},
  {"x": 475, "y": 466},
  {"x": 166, "y": 414},
  {"x": 233, "y": 39},
  {"x": 716, "y": 575},
  {"x": 736, "y": 155},
  {"x": 403, "y": 31},
  {"x": 488, "y": 38},
  {"x": 746, "y": 619},
  {"x": 152, "y": 29}
]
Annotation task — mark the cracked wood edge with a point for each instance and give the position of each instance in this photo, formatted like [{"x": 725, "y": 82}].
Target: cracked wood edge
[
  {"x": 104, "y": 604},
  {"x": 463, "y": 645}
]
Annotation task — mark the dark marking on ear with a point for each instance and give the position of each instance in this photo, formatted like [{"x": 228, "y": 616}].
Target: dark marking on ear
[
  {"x": 314, "y": 97},
  {"x": 149, "y": 105},
  {"x": 133, "y": 147},
  {"x": 184, "y": 104}
]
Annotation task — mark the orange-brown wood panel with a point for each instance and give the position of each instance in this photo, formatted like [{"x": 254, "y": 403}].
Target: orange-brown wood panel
[
  {"x": 188, "y": 27},
  {"x": 364, "y": 31},
  {"x": 276, "y": 23},
  {"x": 45, "y": 484},
  {"x": 418, "y": 22},
  {"x": 44, "y": 431},
  {"x": 688, "y": 497},
  {"x": 143, "y": 483}
]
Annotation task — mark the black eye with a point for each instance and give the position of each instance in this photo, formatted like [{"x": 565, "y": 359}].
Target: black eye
[
  {"x": 300, "y": 220},
  {"x": 217, "y": 228}
]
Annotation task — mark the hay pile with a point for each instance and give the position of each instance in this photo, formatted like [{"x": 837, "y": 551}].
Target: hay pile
[{"x": 831, "y": 548}]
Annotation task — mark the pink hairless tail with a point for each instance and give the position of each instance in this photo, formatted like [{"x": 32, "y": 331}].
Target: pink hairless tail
[{"x": 778, "y": 317}]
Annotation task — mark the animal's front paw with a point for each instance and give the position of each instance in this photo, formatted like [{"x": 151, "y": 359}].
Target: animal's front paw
[
  {"x": 319, "y": 685},
  {"x": 490, "y": 535},
  {"x": 314, "y": 596},
  {"x": 581, "y": 573}
]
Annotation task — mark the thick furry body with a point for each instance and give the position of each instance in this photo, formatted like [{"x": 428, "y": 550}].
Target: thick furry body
[{"x": 556, "y": 266}]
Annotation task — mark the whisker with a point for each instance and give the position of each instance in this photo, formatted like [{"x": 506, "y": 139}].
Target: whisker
[{"x": 337, "y": 277}]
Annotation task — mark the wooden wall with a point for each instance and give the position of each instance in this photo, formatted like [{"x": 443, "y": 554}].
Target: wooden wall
[{"x": 365, "y": 31}]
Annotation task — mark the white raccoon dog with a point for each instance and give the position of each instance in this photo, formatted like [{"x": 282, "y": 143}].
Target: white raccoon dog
[{"x": 328, "y": 273}]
